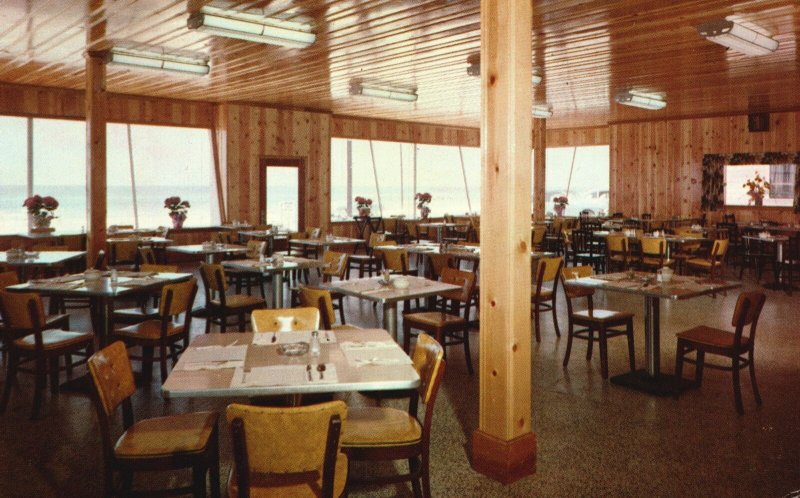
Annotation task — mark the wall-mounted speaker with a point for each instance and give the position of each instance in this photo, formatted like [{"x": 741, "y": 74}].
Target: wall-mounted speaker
[{"x": 758, "y": 121}]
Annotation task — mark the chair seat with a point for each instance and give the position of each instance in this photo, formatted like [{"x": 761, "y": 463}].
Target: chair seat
[
  {"x": 150, "y": 329},
  {"x": 649, "y": 261},
  {"x": 54, "y": 339},
  {"x": 601, "y": 316},
  {"x": 379, "y": 427},
  {"x": 162, "y": 436},
  {"x": 134, "y": 315},
  {"x": 237, "y": 301},
  {"x": 55, "y": 321},
  {"x": 711, "y": 336},
  {"x": 362, "y": 258},
  {"x": 346, "y": 327},
  {"x": 544, "y": 294},
  {"x": 576, "y": 291},
  {"x": 433, "y": 319},
  {"x": 620, "y": 258},
  {"x": 306, "y": 484},
  {"x": 703, "y": 263}
]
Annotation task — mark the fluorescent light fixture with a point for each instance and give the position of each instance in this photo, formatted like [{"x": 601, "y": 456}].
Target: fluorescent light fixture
[
  {"x": 738, "y": 37},
  {"x": 158, "y": 59},
  {"x": 542, "y": 111},
  {"x": 383, "y": 92},
  {"x": 250, "y": 27},
  {"x": 643, "y": 100},
  {"x": 474, "y": 69}
]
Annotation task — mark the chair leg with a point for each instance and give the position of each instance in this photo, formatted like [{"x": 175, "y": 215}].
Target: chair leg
[
  {"x": 199, "y": 480},
  {"x": 590, "y": 345},
  {"x": 698, "y": 372},
  {"x": 11, "y": 377},
  {"x": 678, "y": 369},
  {"x": 147, "y": 364},
  {"x": 536, "y": 322},
  {"x": 570, "y": 333},
  {"x": 555, "y": 316},
  {"x": 54, "y": 364},
  {"x": 467, "y": 354},
  {"x": 603, "y": 352},
  {"x": 341, "y": 309},
  {"x": 631, "y": 349},
  {"x": 40, "y": 386},
  {"x": 213, "y": 467},
  {"x": 413, "y": 467},
  {"x": 406, "y": 336},
  {"x": 162, "y": 361},
  {"x": 737, "y": 388},
  {"x": 752, "y": 369}
]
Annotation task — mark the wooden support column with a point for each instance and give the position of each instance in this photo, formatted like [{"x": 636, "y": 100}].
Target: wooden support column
[
  {"x": 95, "y": 154},
  {"x": 539, "y": 167},
  {"x": 503, "y": 446}
]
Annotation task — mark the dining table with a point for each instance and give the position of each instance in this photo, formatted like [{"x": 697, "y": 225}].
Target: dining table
[
  {"x": 325, "y": 242},
  {"x": 268, "y": 236},
  {"x": 101, "y": 292},
  {"x": 778, "y": 241},
  {"x": 209, "y": 251},
  {"x": 389, "y": 294},
  {"x": 24, "y": 261},
  {"x": 273, "y": 363},
  {"x": 277, "y": 268},
  {"x": 650, "y": 379},
  {"x": 440, "y": 227}
]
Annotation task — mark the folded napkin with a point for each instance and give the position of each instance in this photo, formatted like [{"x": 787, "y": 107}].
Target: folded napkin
[
  {"x": 360, "y": 362},
  {"x": 215, "y": 354},
  {"x": 139, "y": 282},
  {"x": 374, "y": 353},
  {"x": 68, "y": 278},
  {"x": 284, "y": 375},
  {"x": 212, "y": 365}
]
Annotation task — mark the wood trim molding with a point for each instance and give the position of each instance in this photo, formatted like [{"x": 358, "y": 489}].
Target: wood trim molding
[{"x": 504, "y": 461}]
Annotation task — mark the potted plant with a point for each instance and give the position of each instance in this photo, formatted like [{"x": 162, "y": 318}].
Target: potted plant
[
  {"x": 364, "y": 206},
  {"x": 757, "y": 188},
  {"x": 177, "y": 210},
  {"x": 40, "y": 212},
  {"x": 560, "y": 203},
  {"x": 423, "y": 199}
]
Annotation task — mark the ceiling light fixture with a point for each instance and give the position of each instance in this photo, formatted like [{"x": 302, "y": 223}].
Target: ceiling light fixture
[
  {"x": 251, "y": 27},
  {"x": 153, "y": 58},
  {"x": 738, "y": 37},
  {"x": 383, "y": 92},
  {"x": 542, "y": 111},
  {"x": 643, "y": 100},
  {"x": 474, "y": 69}
]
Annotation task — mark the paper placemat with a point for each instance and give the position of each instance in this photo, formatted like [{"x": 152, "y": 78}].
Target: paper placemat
[
  {"x": 139, "y": 282},
  {"x": 48, "y": 284},
  {"x": 265, "y": 338},
  {"x": 214, "y": 354},
  {"x": 284, "y": 375},
  {"x": 212, "y": 365},
  {"x": 374, "y": 353}
]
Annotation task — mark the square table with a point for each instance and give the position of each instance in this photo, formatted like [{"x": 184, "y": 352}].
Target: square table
[
  {"x": 228, "y": 359},
  {"x": 325, "y": 242},
  {"x": 268, "y": 267},
  {"x": 651, "y": 380},
  {"x": 778, "y": 240},
  {"x": 42, "y": 259},
  {"x": 209, "y": 251},
  {"x": 439, "y": 226},
  {"x": 371, "y": 289},
  {"x": 267, "y": 235},
  {"x": 101, "y": 292}
]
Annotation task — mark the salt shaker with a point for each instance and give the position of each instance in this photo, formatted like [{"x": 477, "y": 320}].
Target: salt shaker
[
  {"x": 114, "y": 277},
  {"x": 314, "y": 347}
]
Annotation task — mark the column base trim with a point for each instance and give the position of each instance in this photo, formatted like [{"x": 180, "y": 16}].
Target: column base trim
[{"x": 504, "y": 461}]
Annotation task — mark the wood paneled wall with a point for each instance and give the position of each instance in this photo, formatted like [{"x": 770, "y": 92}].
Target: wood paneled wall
[
  {"x": 399, "y": 131},
  {"x": 251, "y": 132},
  {"x": 656, "y": 166},
  {"x": 578, "y": 137},
  {"x": 45, "y": 102}
]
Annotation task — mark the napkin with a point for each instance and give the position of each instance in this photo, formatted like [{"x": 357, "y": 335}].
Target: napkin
[
  {"x": 215, "y": 354},
  {"x": 283, "y": 375},
  {"x": 212, "y": 365},
  {"x": 374, "y": 353}
]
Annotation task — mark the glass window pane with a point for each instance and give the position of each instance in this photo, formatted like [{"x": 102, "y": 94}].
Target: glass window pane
[
  {"x": 13, "y": 174},
  {"x": 283, "y": 183},
  {"x": 59, "y": 169},
  {"x": 736, "y": 177},
  {"x": 439, "y": 174},
  {"x": 118, "y": 176},
  {"x": 586, "y": 187}
]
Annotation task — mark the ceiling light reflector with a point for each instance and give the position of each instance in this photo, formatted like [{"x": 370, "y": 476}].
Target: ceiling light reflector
[
  {"x": 634, "y": 98},
  {"x": 158, "y": 59},
  {"x": 249, "y": 27},
  {"x": 738, "y": 37},
  {"x": 383, "y": 92}
]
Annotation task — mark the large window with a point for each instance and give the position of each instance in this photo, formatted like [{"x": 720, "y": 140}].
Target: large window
[
  {"x": 780, "y": 176},
  {"x": 13, "y": 174},
  {"x": 390, "y": 173},
  {"x": 580, "y": 174},
  {"x": 159, "y": 162}
]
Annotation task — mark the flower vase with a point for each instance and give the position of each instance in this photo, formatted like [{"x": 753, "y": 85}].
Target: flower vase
[
  {"x": 177, "y": 221},
  {"x": 41, "y": 223},
  {"x": 559, "y": 209},
  {"x": 758, "y": 201},
  {"x": 364, "y": 212}
]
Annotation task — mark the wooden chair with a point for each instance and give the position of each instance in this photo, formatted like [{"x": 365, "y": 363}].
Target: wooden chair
[
  {"x": 369, "y": 261},
  {"x": 245, "y": 278},
  {"x": 322, "y": 300},
  {"x": 285, "y": 319},
  {"x": 163, "y": 331},
  {"x": 734, "y": 345},
  {"x": 219, "y": 305},
  {"x": 144, "y": 311},
  {"x": 585, "y": 250},
  {"x": 544, "y": 299},
  {"x": 618, "y": 253},
  {"x": 125, "y": 254},
  {"x": 185, "y": 441},
  {"x": 686, "y": 250},
  {"x": 293, "y": 451},
  {"x": 224, "y": 237},
  {"x": 593, "y": 319},
  {"x": 147, "y": 255},
  {"x": 537, "y": 237},
  {"x": 380, "y": 433},
  {"x": 653, "y": 253},
  {"x": 27, "y": 334},
  {"x": 335, "y": 266},
  {"x": 448, "y": 329},
  {"x": 714, "y": 264},
  {"x": 437, "y": 264}
]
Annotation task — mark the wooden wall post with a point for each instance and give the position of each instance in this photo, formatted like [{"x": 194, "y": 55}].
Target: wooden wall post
[
  {"x": 539, "y": 167},
  {"x": 503, "y": 446},
  {"x": 96, "y": 116}
]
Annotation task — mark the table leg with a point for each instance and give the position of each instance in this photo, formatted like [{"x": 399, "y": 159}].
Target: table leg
[
  {"x": 652, "y": 334},
  {"x": 101, "y": 310},
  {"x": 210, "y": 258},
  {"x": 277, "y": 290},
  {"x": 390, "y": 318},
  {"x": 439, "y": 234},
  {"x": 270, "y": 246}
]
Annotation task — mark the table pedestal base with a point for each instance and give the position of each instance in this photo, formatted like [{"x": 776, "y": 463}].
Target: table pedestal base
[{"x": 660, "y": 385}]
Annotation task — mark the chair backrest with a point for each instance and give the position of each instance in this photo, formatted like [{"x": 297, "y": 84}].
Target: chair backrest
[
  {"x": 22, "y": 311},
  {"x": 428, "y": 360},
  {"x": 572, "y": 273},
  {"x": 617, "y": 244},
  {"x": 653, "y": 246},
  {"x": 178, "y": 298},
  {"x": 719, "y": 249},
  {"x": 213, "y": 276},
  {"x": 334, "y": 264},
  {"x": 321, "y": 299},
  {"x": 747, "y": 311},
  {"x": 255, "y": 248},
  {"x": 293, "y": 440},
  {"x": 374, "y": 238},
  {"x": 396, "y": 260},
  {"x": 547, "y": 269},
  {"x": 537, "y": 234},
  {"x": 159, "y": 268},
  {"x": 99, "y": 261},
  {"x": 285, "y": 320},
  {"x": 112, "y": 377},
  {"x": 464, "y": 279},
  {"x": 314, "y": 232},
  {"x": 438, "y": 263},
  {"x": 8, "y": 278},
  {"x": 223, "y": 237},
  {"x": 297, "y": 235},
  {"x": 147, "y": 255}
]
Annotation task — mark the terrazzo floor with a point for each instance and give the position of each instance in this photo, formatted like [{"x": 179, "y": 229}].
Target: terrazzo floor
[{"x": 594, "y": 438}]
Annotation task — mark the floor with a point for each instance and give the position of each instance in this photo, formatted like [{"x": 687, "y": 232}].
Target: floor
[{"x": 594, "y": 438}]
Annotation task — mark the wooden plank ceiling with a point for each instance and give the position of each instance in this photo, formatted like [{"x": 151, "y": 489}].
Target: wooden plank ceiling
[{"x": 585, "y": 50}]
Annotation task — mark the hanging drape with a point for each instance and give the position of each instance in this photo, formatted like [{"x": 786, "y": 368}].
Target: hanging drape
[{"x": 713, "y": 182}]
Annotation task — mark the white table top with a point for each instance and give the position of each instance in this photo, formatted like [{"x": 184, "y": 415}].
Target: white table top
[
  {"x": 216, "y": 249},
  {"x": 371, "y": 289},
  {"x": 644, "y": 284},
  {"x": 386, "y": 366},
  {"x": 322, "y": 242},
  {"x": 289, "y": 263},
  {"x": 42, "y": 258}
]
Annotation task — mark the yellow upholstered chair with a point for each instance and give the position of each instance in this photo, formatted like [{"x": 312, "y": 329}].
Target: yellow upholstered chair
[
  {"x": 546, "y": 271},
  {"x": 737, "y": 346},
  {"x": 284, "y": 452},
  {"x": 322, "y": 300},
  {"x": 653, "y": 253},
  {"x": 537, "y": 237},
  {"x": 163, "y": 331},
  {"x": 714, "y": 264},
  {"x": 369, "y": 261},
  {"x": 224, "y": 237},
  {"x": 220, "y": 305},
  {"x": 593, "y": 319},
  {"x": 124, "y": 254},
  {"x": 248, "y": 279},
  {"x": 618, "y": 252},
  {"x": 285, "y": 320},
  {"x": 381, "y": 433},
  {"x": 28, "y": 337},
  {"x": 144, "y": 311},
  {"x": 147, "y": 255},
  {"x": 188, "y": 440}
]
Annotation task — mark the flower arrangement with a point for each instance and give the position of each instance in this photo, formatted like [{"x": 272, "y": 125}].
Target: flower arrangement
[
  {"x": 560, "y": 202},
  {"x": 423, "y": 199},
  {"x": 364, "y": 205},
  {"x": 41, "y": 209},
  {"x": 757, "y": 188},
  {"x": 177, "y": 210}
]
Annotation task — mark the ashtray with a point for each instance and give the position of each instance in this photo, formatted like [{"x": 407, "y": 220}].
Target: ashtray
[
  {"x": 384, "y": 282},
  {"x": 293, "y": 349}
]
